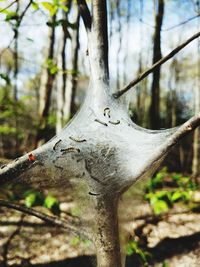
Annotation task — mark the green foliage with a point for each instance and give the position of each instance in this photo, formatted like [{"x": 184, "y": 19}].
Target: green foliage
[
  {"x": 52, "y": 67},
  {"x": 10, "y": 15},
  {"x": 162, "y": 200},
  {"x": 165, "y": 264},
  {"x": 51, "y": 6},
  {"x": 157, "y": 180},
  {"x": 51, "y": 121},
  {"x": 7, "y": 130},
  {"x": 133, "y": 248},
  {"x": 33, "y": 198},
  {"x": 35, "y": 6},
  {"x": 52, "y": 203}
]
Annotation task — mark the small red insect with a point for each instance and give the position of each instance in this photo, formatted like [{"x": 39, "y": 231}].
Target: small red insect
[{"x": 31, "y": 157}]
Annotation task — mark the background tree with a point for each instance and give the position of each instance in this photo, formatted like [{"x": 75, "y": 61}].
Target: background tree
[{"x": 155, "y": 88}]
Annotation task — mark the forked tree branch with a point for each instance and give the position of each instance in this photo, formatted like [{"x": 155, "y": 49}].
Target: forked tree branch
[
  {"x": 156, "y": 65},
  {"x": 44, "y": 217},
  {"x": 85, "y": 13}
]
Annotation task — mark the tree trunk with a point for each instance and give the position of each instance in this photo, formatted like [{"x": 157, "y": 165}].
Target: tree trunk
[
  {"x": 155, "y": 88},
  {"x": 16, "y": 70},
  {"x": 62, "y": 75},
  {"x": 107, "y": 232},
  {"x": 46, "y": 88},
  {"x": 73, "y": 77},
  {"x": 196, "y": 140}
]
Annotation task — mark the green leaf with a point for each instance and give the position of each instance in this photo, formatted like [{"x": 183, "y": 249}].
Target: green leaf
[
  {"x": 30, "y": 200},
  {"x": 177, "y": 195},
  {"x": 5, "y": 130},
  {"x": 65, "y": 8},
  {"x": 10, "y": 15},
  {"x": 176, "y": 176},
  {"x": 33, "y": 198},
  {"x": 53, "y": 68},
  {"x": 160, "y": 206},
  {"x": 35, "y": 6},
  {"x": 52, "y": 203},
  {"x": 186, "y": 195},
  {"x": 133, "y": 247},
  {"x": 165, "y": 264},
  {"x": 50, "y": 7}
]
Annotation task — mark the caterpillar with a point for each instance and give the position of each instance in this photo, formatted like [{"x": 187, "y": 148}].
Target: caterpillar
[
  {"x": 54, "y": 147},
  {"x": 115, "y": 122},
  {"x": 106, "y": 111},
  {"x": 77, "y": 140},
  {"x": 101, "y": 122},
  {"x": 59, "y": 167},
  {"x": 94, "y": 194},
  {"x": 70, "y": 149}
]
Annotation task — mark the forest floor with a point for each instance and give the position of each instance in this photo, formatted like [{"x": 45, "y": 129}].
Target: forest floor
[{"x": 171, "y": 240}]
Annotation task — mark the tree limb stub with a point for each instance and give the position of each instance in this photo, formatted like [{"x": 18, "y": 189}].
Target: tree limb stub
[{"x": 156, "y": 65}]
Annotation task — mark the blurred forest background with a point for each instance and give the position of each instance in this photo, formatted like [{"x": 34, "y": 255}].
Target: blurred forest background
[{"x": 43, "y": 80}]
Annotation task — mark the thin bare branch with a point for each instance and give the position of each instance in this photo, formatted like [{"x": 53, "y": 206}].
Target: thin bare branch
[
  {"x": 44, "y": 217},
  {"x": 24, "y": 12},
  {"x": 169, "y": 28},
  {"x": 85, "y": 13},
  {"x": 181, "y": 23},
  {"x": 3, "y": 9},
  {"x": 156, "y": 65}
]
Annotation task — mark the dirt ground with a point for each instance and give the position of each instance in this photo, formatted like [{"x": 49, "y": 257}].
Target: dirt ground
[{"x": 173, "y": 239}]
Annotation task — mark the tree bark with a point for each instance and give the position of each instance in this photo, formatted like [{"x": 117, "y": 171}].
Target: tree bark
[
  {"x": 196, "y": 139},
  {"x": 155, "y": 88},
  {"x": 98, "y": 42},
  {"x": 196, "y": 154},
  {"x": 107, "y": 232},
  {"x": 72, "y": 77},
  {"x": 47, "y": 80},
  {"x": 62, "y": 74}
]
